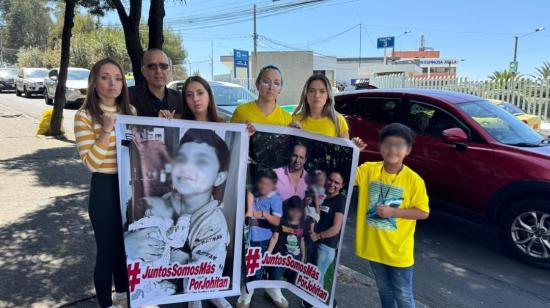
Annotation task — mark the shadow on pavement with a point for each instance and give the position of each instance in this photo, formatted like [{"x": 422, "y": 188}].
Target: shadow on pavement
[
  {"x": 59, "y": 166},
  {"x": 48, "y": 255}
]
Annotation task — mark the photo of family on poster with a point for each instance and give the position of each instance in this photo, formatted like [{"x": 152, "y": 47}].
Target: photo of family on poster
[
  {"x": 207, "y": 209},
  {"x": 180, "y": 201},
  {"x": 298, "y": 191}
]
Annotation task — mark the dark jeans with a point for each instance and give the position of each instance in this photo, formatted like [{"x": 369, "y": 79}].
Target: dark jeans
[
  {"x": 104, "y": 211},
  {"x": 394, "y": 285},
  {"x": 277, "y": 273}
]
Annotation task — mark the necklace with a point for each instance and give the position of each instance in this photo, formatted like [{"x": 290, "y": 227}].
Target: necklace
[{"x": 381, "y": 195}]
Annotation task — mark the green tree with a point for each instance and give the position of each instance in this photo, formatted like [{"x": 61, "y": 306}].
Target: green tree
[
  {"x": 504, "y": 75},
  {"x": 31, "y": 57},
  {"x": 543, "y": 72},
  {"x": 27, "y": 24}
]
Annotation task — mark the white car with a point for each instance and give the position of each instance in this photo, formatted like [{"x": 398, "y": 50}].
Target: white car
[
  {"x": 30, "y": 81},
  {"x": 76, "y": 86},
  {"x": 227, "y": 95}
]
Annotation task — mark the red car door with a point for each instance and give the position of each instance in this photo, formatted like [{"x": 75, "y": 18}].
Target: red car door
[
  {"x": 453, "y": 174},
  {"x": 366, "y": 116}
]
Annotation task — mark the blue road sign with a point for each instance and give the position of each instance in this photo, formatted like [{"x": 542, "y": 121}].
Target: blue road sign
[
  {"x": 385, "y": 42},
  {"x": 240, "y": 58}
]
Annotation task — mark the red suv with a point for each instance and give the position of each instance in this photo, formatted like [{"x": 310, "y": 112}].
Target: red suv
[{"x": 474, "y": 157}]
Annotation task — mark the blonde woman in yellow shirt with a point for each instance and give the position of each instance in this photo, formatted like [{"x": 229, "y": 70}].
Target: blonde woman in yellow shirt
[
  {"x": 316, "y": 114},
  {"x": 94, "y": 123}
]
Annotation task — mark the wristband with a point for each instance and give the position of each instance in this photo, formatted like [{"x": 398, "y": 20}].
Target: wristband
[{"x": 106, "y": 131}]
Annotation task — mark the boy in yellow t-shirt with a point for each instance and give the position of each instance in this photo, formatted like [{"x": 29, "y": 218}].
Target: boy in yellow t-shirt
[{"x": 392, "y": 197}]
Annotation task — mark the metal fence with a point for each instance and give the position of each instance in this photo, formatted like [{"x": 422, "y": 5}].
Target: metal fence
[{"x": 532, "y": 96}]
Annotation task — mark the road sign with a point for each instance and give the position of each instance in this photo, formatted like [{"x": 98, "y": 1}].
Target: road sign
[
  {"x": 240, "y": 59},
  {"x": 385, "y": 42},
  {"x": 514, "y": 66}
]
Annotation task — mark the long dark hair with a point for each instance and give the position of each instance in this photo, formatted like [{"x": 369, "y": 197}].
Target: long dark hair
[
  {"x": 328, "y": 109},
  {"x": 91, "y": 103},
  {"x": 212, "y": 111}
]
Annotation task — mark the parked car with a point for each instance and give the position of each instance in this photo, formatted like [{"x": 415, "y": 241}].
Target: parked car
[
  {"x": 30, "y": 81},
  {"x": 227, "y": 95},
  {"x": 475, "y": 158},
  {"x": 532, "y": 120},
  {"x": 7, "y": 79},
  {"x": 76, "y": 86}
]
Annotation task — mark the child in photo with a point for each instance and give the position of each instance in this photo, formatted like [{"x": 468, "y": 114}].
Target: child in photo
[
  {"x": 158, "y": 213},
  {"x": 288, "y": 238},
  {"x": 392, "y": 197},
  {"x": 158, "y": 216},
  {"x": 264, "y": 212},
  {"x": 315, "y": 196},
  {"x": 200, "y": 166}
]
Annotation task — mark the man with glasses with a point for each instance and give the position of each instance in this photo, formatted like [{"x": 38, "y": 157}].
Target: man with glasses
[{"x": 153, "y": 98}]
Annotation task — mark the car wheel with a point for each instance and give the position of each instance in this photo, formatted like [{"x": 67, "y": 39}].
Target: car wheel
[
  {"x": 525, "y": 231},
  {"x": 27, "y": 94},
  {"x": 17, "y": 92},
  {"x": 48, "y": 100}
]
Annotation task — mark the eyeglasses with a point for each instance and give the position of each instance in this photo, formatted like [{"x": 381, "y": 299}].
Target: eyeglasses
[
  {"x": 154, "y": 66},
  {"x": 394, "y": 145},
  {"x": 267, "y": 84}
]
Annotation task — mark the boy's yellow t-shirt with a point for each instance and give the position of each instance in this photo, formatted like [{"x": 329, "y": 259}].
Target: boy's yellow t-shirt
[
  {"x": 388, "y": 241},
  {"x": 250, "y": 112},
  {"x": 322, "y": 126}
]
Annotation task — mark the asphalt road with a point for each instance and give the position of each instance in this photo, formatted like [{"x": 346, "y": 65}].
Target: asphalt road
[{"x": 458, "y": 263}]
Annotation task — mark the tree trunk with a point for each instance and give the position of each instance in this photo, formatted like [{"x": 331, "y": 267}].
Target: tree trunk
[
  {"x": 59, "y": 99},
  {"x": 155, "y": 22},
  {"x": 130, "y": 25}
]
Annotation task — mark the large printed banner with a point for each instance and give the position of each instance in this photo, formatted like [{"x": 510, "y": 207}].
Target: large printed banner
[
  {"x": 300, "y": 188},
  {"x": 182, "y": 189}
]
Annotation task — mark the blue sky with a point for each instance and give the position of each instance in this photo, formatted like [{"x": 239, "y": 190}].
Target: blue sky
[{"x": 480, "y": 32}]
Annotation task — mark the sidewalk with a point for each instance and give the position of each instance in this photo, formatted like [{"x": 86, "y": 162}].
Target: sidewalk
[{"x": 48, "y": 249}]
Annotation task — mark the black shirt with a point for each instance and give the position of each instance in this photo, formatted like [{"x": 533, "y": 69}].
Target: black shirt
[
  {"x": 329, "y": 208},
  {"x": 148, "y": 105},
  {"x": 290, "y": 237}
]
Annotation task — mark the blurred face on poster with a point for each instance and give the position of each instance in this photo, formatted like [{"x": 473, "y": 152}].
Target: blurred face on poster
[
  {"x": 196, "y": 169},
  {"x": 298, "y": 158}
]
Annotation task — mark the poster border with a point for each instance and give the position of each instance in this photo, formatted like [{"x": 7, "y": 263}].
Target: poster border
[
  {"x": 354, "y": 164},
  {"x": 235, "y": 290}
]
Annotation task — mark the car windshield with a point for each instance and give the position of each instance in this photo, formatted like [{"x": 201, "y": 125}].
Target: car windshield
[
  {"x": 77, "y": 75},
  {"x": 37, "y": 74},
  {"x": 231, "y": 96},
  {"x": 502, "y": 125},
  {"x": 511, "y": 108},
  {"x": 8, "y": 73}
]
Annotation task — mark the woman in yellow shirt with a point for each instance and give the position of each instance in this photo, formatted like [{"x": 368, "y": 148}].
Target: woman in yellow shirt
[
  {"x": 265, "y": 109},
  {"x": 316, "y": 114},
  {"x": 94, "y": 123}
]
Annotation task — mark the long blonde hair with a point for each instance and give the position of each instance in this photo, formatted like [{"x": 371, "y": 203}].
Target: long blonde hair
[{"x": 328, "y": 109}]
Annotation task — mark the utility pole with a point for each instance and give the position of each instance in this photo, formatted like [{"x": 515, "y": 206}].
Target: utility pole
[
  {"x": 516, "y": 48},
  {"x": 255, "y": 37},
  {"x": 212, "y": 59},
  {"x": 360, "y": 42}
]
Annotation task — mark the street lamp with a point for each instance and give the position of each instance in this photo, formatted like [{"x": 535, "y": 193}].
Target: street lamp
[
  {"x": 393, "y": 48},
  {"x": 540, "y": 29}
]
